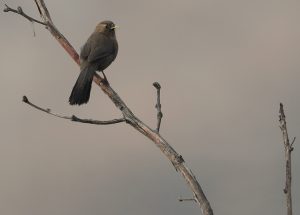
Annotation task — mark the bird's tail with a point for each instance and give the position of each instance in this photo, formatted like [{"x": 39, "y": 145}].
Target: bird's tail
[{"x": 82, "y": 88}]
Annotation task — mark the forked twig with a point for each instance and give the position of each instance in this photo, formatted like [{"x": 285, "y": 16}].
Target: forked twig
[{"x": 20, "y": 11}]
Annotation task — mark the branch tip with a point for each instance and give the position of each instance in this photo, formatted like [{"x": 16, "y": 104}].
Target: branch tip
[
  {"x": 156, "y": 85},
  {"x": 25, "y": 99},
  {"x": 20, "y": 10}
]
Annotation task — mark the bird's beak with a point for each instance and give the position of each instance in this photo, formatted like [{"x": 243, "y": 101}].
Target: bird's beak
[{"x": 114, "y": 27}]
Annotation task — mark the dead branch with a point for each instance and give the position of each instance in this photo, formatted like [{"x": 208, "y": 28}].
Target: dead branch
[
  {"x": 288, "y": 164},
  {"x": 131, "y": 119},
  {"x": 73, "y": 117}
]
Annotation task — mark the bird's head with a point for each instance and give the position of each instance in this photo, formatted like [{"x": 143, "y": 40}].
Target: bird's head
[{"x": 107, "y": 27}]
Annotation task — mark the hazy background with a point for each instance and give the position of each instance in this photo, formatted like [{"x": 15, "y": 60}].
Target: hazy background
[{"x": 224, "y": 66}]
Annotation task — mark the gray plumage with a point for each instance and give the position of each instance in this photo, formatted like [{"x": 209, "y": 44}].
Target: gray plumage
[{"x": 99, "y": 51}]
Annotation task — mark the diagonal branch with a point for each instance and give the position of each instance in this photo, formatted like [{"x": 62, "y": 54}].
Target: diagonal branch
[
  {"x": 73, "y": 118},
  {"x": 175, "y": 158}
]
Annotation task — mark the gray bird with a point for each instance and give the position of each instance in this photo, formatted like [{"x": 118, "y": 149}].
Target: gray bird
[{"x": 99, "y": 51}]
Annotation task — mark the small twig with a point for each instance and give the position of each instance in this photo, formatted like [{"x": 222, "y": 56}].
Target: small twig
[
  {"x": 74, "y": 118},
  {"x": 20, "y": 12},
  {"x": 292, "y": 148},
  {"x": 182, "y": 200},
  {"x": 37, "y": 5},
  {"x": 158, "y": 106},
  {"x": 189, "y": 199}
]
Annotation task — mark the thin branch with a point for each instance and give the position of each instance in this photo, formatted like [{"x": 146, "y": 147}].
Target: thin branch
[
  {"x": 288, "y": 150},
  {"x": 21, "y": 12},
  {"x": 73, "y": 117},
  {"x": 131, "y": 119},
  {"x": 158, "y": 105},
  {"x": 43, "y": 10},
  {"x": 37, "y": 5},
  {"x": 186, "y": 200}
]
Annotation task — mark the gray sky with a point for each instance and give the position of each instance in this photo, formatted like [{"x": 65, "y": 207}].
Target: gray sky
[{"x": 224, "y": 66}]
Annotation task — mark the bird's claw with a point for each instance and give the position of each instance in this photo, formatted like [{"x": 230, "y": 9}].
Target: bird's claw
[{"x": 104, "y": 80}]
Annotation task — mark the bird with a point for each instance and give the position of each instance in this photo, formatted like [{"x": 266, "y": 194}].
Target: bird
[{"x": 99, "y": 51}]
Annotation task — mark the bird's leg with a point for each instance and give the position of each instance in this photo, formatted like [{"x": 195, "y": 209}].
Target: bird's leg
[{"x": 105, "y": 81}]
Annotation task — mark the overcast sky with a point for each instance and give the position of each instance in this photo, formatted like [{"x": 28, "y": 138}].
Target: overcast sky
[{"x": 224, "y": 66}]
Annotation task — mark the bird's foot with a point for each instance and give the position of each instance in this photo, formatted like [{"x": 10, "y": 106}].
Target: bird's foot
[{"x": 104, "y": 80}]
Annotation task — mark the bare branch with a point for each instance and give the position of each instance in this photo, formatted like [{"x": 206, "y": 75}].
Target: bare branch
[
  {"x": 288, "y": 150},
  {"x": 158, "y": 106},
  {"x": 73, "y": 117},
  {"x": 21, "y": 12}
]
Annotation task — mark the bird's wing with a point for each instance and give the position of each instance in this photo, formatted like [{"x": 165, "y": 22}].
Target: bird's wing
[
  {"x": 85, "y": 50},
  {"x": 102, "y": 48}
]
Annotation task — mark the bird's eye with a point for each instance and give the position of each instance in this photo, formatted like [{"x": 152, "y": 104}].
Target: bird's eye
[{"x": 108, "y": 26}]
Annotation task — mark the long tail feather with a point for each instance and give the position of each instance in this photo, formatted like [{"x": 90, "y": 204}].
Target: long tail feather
[{"x": 82, "y": 88}]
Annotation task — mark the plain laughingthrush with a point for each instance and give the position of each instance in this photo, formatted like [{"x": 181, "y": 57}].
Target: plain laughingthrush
[{"x": 99, "y": 51}]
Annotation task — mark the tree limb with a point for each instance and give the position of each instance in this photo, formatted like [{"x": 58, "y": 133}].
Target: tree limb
[
  {"x": 131, "y": 119},
  {"x": 288, "y": 151},
  {"x": 73, "y": 117}
]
